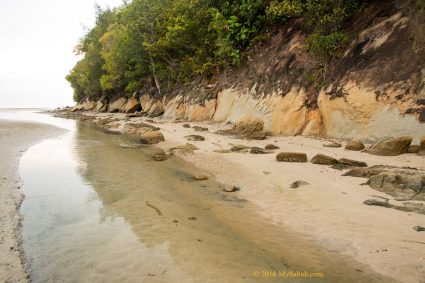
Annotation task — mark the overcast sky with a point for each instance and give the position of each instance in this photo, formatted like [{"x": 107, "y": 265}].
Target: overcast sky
[{"x": 37, "y": 38}]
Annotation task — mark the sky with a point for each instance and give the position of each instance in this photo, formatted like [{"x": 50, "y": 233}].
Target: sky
[{"x": 37, "y": 38}]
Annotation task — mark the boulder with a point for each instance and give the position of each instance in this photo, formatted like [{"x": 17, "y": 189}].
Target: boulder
[
  {"x": 322, "y": 159},
  {"x": 291, "y": 157},
  {"x": 271, "y": 147},
  {"x": 195, "y": 138},
  {"x": 156, "y": 110},
  {"x": 101, "y": 104},
  {"x": 159, "y": 156},
  {"x": 258, "y": 150},
  {"x": 414, "y": 148},
  {"x": 352, "y": 163},
  {"x": 391, "y": 146},
  {"x": 183, "y": 149},
  {"x": 298, "y": 184},
  {"x": 400, "y": 182},
  {"x": 131, "y": 106},
  {"x": 247, "y": 128},
  {"x": 151, "y": 137},
  {"x": 333, "y": 144},
  {"x": 239, "y": 148},
  {"x": 186, "y": 126},
  {"x": 200, "y": 129},
  {"x": 116, "y": 106},
  {"x": 354, "y": 145},
  {"x": 422, "y": 146}
]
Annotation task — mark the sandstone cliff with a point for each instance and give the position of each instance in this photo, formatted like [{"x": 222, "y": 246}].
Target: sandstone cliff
[{"x": 375, "y": 90}]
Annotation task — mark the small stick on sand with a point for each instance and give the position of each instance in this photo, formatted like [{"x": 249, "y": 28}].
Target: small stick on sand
[{"x": 155, "y": 208}]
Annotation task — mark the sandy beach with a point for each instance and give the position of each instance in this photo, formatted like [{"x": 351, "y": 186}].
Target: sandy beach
[
  {"x": 15, "y": 138},
  {"x": 329, "y": 209}
]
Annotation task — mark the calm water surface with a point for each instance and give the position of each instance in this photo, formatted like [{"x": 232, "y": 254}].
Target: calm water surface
[{"x": 97, "y": 209}]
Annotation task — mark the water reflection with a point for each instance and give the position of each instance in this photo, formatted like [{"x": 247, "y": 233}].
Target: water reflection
[{"x": 99, "y": 212}]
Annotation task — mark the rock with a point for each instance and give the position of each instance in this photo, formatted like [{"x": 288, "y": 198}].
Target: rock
[
  {"x": 414, "y": 148},
  {"x": 200, "y": 177},
  {"x": 377, "y": 202},
  {"x": 333, "y": 144},
  {"x": 101, "y": 104},
  {"x": 322, "y": 159},
  {"x": 298, "y": 184},
  {"x": 351, "y": 163},
  {"x": 258, "y": 150},
  {"x": 291, "y": 157},
  {"x": 391, "y": 146},
  {"x": 159, "y": 156},
  {"x": 354, "y": 145},
  {"x": 184, "y": 149},
  {"x": 136, "y": 114},
  {"x": 271, "y": 147},
  {"x": 239, "y": 148},
  {"x": 186, "y": 126},
  {"x": 230, "y": 189},
  {"x": 247, "y": 128},
  {"x": 395, "y": 181},
  {"x": 419, "y": 228},
  {"x": 422, "y": 146},
  {"x": 195, "y": 138},
  {"x": 156, "y": 110},
  {"x": 117, "y": 105},
  {"x": 222, "y": 150},
  {"x": 200, "y": 129},
  {"x": 132, "y": 105},
  {"x": 152, "y": 137}
]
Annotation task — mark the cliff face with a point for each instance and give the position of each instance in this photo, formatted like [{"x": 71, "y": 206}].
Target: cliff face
[{"x": 375, "y": 90}]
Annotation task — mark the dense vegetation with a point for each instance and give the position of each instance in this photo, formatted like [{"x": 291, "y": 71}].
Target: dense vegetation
[{"x": 161, "y": 44}]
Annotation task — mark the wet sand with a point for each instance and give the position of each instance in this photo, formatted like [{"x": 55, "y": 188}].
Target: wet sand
[
  {"x": 15, "y": 138},
  {"x": 329, "y": 211}
]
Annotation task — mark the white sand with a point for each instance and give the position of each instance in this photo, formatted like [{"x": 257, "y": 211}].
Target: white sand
[{"x": 330, "y": 210}]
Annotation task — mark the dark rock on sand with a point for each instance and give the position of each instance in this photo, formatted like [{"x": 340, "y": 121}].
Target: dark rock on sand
[
  {"x": 391, "y": 146},
  {"x": 291, "y": 157},
  {"x": 298, "y": 184},
  {"x": 271, "y": 147},
  {"x": 414, "y": 148},
  {"x": 184, "y": 149},
  {"x": 195, "y": 138},
  {"x": 250, "y": 129},
  {"x": 152, "y": 137},
  {"x": 377, "y": 202},
  {"x": 352, "y": 163},
  {"x": 322, "y": 159},
  {"x": 186, "y": 126},
  {"x": 354, "y": 145},
  {"x": 200, "y": 129},
  {"x": 333, "y": 144},
  {"x": 258, "y": 150},
  {"x": 159, "y": 156},
  {"x": 422, "y": 146},
  {"x": 395, "y": 181},
  {"x": 239, "y": 148},
  {"x": 419, "y": 228}
]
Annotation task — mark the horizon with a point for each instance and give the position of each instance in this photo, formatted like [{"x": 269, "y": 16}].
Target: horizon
[{"x": 38, "y": 54}]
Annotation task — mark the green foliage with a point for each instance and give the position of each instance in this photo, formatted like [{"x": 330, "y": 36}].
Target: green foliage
[
  {"x": 326, "y": 47},
  {"x": 159, "y": 44}
]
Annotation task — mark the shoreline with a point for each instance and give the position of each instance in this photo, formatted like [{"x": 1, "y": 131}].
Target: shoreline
[
  {"x": 16, "y": 137},
  {"x": 329, "y": 210}
]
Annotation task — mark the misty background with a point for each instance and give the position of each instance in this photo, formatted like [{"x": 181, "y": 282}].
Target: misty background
[{"x": 37, "y": 38}]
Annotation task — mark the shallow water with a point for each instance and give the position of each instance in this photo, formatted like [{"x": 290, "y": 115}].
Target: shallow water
[{"x": 98, "y": 210}]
